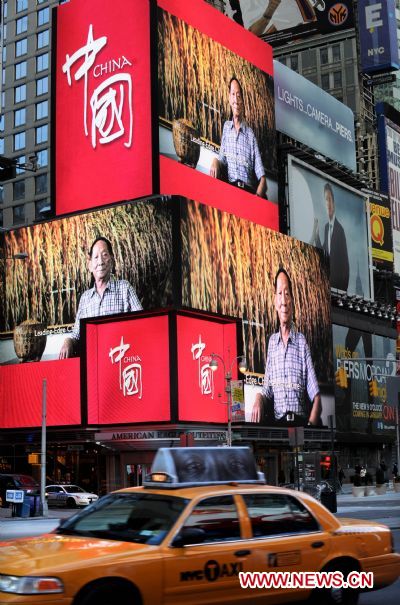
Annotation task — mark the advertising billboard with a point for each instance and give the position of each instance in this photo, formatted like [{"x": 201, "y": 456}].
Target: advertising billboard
[
  {"x": 377, "y": 28},
  {"x": 229, "y": 266},
  {"x": 381, "y": 230},
  {"x": 201, "y": 390},
  {"x": 56, "y": 273},
  {"x": 283, "y": 21},
  {"x": 367, "y": 358},
  {"x": 217, "y": 135},
  {"x": 132, "y": 357},
  {"x": 312, "y": 116},
  {"x": 389, "y": 164},
  {"x": 103, "y": 136},
  {"x": 21, "y": 394},
  {"x": 155, "y": 367},
  {"x": 323, "y": 213}
]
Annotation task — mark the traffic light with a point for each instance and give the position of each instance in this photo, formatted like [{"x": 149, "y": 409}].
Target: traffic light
[
  {"x": 7, "y": 169},
  {"x": 373, "y": 388},
  {"x": 341, "y": 378}
]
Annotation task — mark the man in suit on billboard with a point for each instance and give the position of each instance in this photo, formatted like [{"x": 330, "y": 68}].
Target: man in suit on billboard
[{"x": 335, "y": 244}]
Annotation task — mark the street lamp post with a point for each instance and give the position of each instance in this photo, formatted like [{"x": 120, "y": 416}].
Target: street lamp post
[{"x": 228, "y": 386}]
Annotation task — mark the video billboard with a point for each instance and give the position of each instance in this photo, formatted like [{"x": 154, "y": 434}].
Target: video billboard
[
  {"x": 283, "y": 21},
  {"x": 312, "y": 116},
  {"x": 365, "y": 357},
  {"x": 57, "y": 282},
  {"x": 217, "y": 136},
  {"x": 381, "y": 230},
  {"x": 103, "y": 134},
  {"x": 229, "y": 266},
  {"x": 389, "y": 164},
  {"x": 323, "y": 212},
  {"x": 377, "y": 28}
]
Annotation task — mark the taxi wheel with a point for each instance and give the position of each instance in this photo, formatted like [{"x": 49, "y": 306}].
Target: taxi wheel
[
  {"x": 335, "y": 596},
  {"x": 109, "y": 593},
  {"x": 71, "y": 503}
]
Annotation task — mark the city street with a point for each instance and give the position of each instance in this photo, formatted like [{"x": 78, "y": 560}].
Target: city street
[{"x": 383, "y": 509}]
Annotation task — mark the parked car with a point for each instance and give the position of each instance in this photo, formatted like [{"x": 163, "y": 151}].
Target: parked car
[
  {"x": 16, "y": 481},
  {"x": 182, "y": 538},
  {"x": 70, "y": 496}
]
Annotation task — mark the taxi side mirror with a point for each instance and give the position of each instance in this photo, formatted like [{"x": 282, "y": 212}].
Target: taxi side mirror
[{"x": 188, "y": 535}]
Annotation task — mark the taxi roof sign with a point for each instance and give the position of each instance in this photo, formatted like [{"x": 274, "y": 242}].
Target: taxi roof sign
[{"x": 190, "y": 466}]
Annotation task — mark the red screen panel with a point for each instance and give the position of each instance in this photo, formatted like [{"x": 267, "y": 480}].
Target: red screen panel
[
  {"x": 128, "y": 371},
  {"x": 103, "y": 103},
  {"x": 22, "y": 385},
  {"x": 201, "y": 391}
]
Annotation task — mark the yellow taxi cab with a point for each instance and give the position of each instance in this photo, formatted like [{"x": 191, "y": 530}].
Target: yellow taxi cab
[{"x": 203, "y": 517}]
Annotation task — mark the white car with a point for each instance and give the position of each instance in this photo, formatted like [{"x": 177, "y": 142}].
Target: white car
[{"x": 68, "y": 495}]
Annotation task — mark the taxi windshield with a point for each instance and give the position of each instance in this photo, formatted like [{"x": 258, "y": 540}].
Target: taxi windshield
[{"x": 141, "y": 518}]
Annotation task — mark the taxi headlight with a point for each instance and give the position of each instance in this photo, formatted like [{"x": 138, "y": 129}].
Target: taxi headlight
[{"x": 30, "y": 585}]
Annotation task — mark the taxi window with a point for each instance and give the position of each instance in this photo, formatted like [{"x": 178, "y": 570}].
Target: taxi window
[
  {"x": 142, "y": 518},
  {"x": 273, "y": 514},
  {"x": 218, "y": 518}
]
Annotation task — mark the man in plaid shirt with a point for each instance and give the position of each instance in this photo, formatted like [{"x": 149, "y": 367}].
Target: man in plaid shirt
[
  {"x": 289, "y": 372},
  {"x": 107, "y": 296},
  {"x": 239, "y": 154}
]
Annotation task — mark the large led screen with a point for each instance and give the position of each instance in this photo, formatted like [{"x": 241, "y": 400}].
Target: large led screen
[
  {"x": 216, "y": 112},
  {"x": 381, "y": 231},
  {"x": 132, "y": 358},
  {"x": 332, "y": 217},
  {"x": 201, "y": 390},
  {"x": 282, "y": 21},
  {"x": 365, "y": 357},
  {"x": 229, "y": 266},
  {"x": 389, "y": 161},
  {"x": 65, "y": 275},
  {"x": 103, "y": 136}
]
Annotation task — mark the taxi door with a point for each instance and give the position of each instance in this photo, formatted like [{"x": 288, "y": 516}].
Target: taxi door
[
  {"x": 208, "y": 572},
  {"x": 286, "y": 538}
]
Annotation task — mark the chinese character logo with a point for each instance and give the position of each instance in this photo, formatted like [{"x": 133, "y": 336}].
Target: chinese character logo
[
  {"x": 130, "y": 374},
  {"x": 108, "y": 113},
  {"x": 206, "y": 375}
]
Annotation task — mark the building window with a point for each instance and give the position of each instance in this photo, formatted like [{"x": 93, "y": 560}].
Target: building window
[
  {"x": 41, "y": 184},
  {"x": 21, "y": 25},
  {"x": 5, "y": 9},
  {"x": 19, "y": 117},
  {"x": 2, "y": 146},
  {"x": 18, "y": 215},
  {"x": 2, "y": 123},
  {"x": 41, "y": 208},
  {"x": 337, "y": 79},
  {"x": 323, "y": 56},
  {"x": 41, "y": 134},
  {"x": 308, "y": 58},
  {"x": 4, "y": 54},
  {"x": 42, "y": 110},
  {"x": 19, "y": 141},
  {"x": 336, "y": 54},
  {"x": 1, "y": 212},
  {"x": 20, "y": 70},
  {"x": 43, "y": 16},
  {"x": 43, "y": 39},
  {"x": 325, "y": 81},
  {"x": 350, "y": 74},
  {"x": 19, "y": 190},
  {"x": 348, "y": 49},
  {"x": 21, "y": 161},
  {"x": 294, "y": 62},
  {"x": 42, "y": 62},
  {"x": 22, "y": 5},
  {"x": 21, "y": 47},
  {"x": 20, "y": 93},
  {"x": 1, "y": 194},
  {"x": 42, "y": 158},
  {"x": 42, "y": 86}
]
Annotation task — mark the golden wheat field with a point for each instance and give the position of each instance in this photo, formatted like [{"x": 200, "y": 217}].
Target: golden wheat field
[
  {"x": 48, "y": 284},
  {"x": 229, "y": 265},
  {"x": 194, "y": 72}
]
